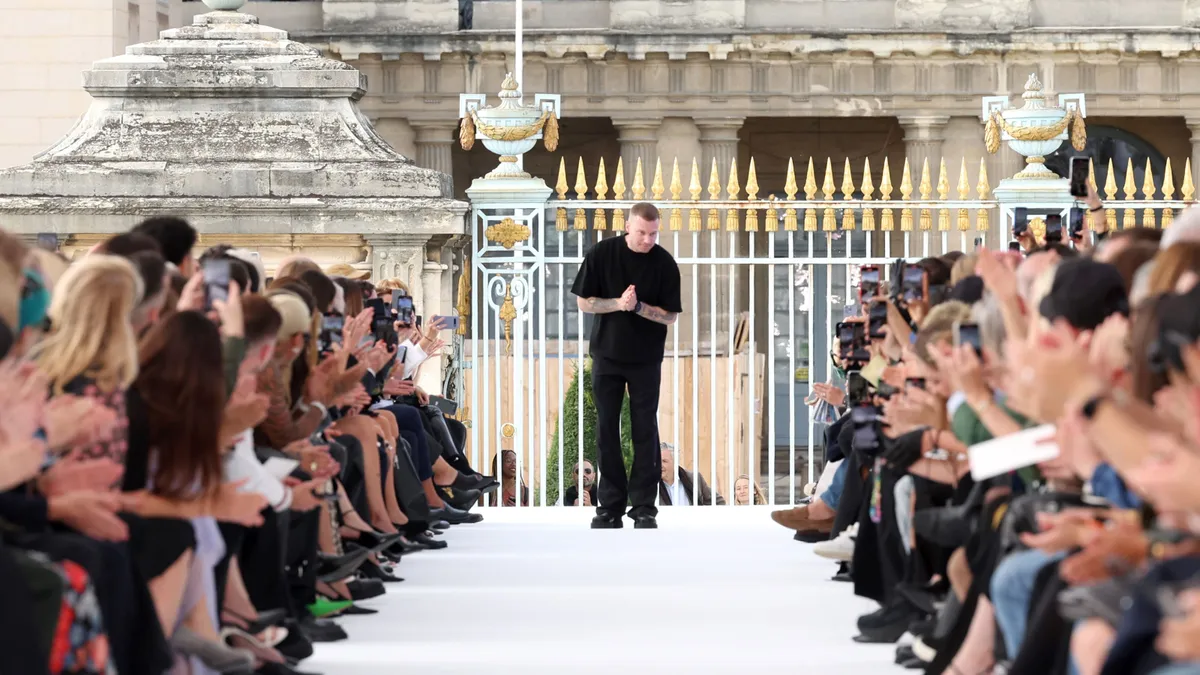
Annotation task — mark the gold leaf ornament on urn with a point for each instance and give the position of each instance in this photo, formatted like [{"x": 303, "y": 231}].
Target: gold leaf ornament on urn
[{"x": 511, "y": 128}]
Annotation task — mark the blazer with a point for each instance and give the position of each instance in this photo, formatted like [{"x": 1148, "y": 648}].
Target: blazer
[{"x": 700, "y": 497}]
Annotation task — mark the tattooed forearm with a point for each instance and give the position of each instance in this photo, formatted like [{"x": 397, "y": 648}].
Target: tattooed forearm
[
  {"x": 599, "y": 305},
  {"x": 658, "y": 315}
]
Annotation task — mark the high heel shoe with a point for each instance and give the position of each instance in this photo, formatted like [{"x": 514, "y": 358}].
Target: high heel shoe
[
  {"x": 377, "y": 571},
  {"x": 265, "y": 620},
  {"x": 374, "y": 541}
]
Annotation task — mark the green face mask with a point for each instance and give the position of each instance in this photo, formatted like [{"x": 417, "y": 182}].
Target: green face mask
[{"x": 841, "y": 372}]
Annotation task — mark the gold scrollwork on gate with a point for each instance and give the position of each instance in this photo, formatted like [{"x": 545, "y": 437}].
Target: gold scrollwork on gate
[{"x": 507, "y": 233}]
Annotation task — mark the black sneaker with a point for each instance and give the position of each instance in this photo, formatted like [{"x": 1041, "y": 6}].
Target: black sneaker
[
  {"x": 607, "y": 523},
  {"x": 645, "y": 523}
]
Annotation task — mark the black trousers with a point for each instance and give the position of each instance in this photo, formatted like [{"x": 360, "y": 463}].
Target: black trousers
[{"x": 609, "y": 382}]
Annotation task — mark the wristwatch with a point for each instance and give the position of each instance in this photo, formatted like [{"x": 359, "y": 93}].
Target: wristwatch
[{"x": 638, "y": 307}]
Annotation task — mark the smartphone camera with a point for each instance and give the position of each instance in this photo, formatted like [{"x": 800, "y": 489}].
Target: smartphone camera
[
  {"x": 868, "y": 286},
  {"x": 877, "y": 321},
  {"x": 1020, "y": 221},
  {"x": 1054, "y": 233},
  {"x": 1079, "y": 177},
  {"x": 403, "y": 309},
  {"x": 216, "y": 280},
  {"x": 912, "y": 286},
  {"x": 1076, "y": 226},
  {"x": 968, "y": 334}
]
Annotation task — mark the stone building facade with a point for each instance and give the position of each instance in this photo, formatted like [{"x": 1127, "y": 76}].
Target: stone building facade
[
  {"x": 45, "y": 45},
  {"x": 771, "y": 79}
]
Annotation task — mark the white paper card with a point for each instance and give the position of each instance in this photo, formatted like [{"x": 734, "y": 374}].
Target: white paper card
[
  {"x": 1010, "y": 453},
  {"x": 280, "y": 467}
]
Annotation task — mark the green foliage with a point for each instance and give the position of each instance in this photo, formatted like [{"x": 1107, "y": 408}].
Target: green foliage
[{"x": 571, "y": 425}]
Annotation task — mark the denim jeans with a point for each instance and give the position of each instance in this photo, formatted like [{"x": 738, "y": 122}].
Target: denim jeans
[
  {"x": 1012, "y": 593},
  {"x": 833, "y": 495},
  {"x": 1188, "y": 668}
]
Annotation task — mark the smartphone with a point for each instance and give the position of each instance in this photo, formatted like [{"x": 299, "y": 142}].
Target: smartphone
[
  {"x": 1076, "y": 226},
  {"x": 845, "y": 333},
  {"x": 915, "y": 382},
  {"x": 1079, "y": 177},
  {"x": 448, "y": 322},
  {"x": 1054, "y": 231},
  {"x": 401, "y": 352},
  {"x": 331, "y": 327},
  {"x": 216, "y": 280},
  {"x": 448, "y": 407},
  {"x": 1020, "y": 221},
  {"x": 868, "y": 286},
  {"x": 913, "y": 284},
  {"x": 877, "y": 320},
  {"x": 968, "y": 334},
  {"x": 1014, "y": 246},
  {"x": 402, "y": 308},
  {"x": 857, "y": 389},
  {"x": 978, "y": 244}
]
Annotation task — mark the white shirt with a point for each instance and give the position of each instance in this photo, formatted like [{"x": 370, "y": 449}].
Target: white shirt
[
  {"x": 678, "y": 494},
  {"x": 243, "y": 464},
  {"x": 414, "y": 356}
]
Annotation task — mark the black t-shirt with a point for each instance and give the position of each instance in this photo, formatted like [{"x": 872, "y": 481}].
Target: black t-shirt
[{"x": 608, "y": 269}]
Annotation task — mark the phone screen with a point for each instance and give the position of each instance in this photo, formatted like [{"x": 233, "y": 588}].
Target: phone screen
[
  {"x": 402, "y": 306},
  {"x": 968, "y": 334},
  {"x": 915, "y": 382},
  {"x": 1020, "y": 221},
  {"x": 845, "y": 333},
  {"x": 877, "y": 320},
  {"x": 869, "y": 283},
  {"x": 1054, "y": 227},
  {"x": 1079, "y": 177},
  {"x": 914, "y": 283},
  {"x": 1076, "y": 223},
  {"x": 216, "y": 280}
]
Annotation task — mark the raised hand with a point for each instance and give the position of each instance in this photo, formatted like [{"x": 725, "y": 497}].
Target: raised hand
[
  {"x": 71, "y": 475},
  {"x": 232, "y": 505},
  {"x": 395, "y": 387},
  {"x": 20, "y": 461},
  {"x": 93, "y": 514},
  {"x": 71, "y": 421},
  {"x": 229, "y": 311}
]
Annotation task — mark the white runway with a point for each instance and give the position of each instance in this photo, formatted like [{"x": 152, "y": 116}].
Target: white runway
[{"x": 534, "y": 591}]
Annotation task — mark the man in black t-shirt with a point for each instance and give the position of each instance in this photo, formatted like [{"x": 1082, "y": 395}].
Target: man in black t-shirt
[{"x": 631, "y": 284}]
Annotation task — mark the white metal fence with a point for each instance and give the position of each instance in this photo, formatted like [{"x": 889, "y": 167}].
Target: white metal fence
[{"x": 764, "y": 283}]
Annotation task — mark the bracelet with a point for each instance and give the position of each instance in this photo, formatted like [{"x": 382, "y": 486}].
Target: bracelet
[
  {"x": 1096, "y": 209},
  {"x": 638, "y": 307}
]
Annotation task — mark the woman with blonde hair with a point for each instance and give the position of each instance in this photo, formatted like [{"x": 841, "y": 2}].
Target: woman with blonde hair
[
  {"x": 91, "y": 349},
  {"x": 742, "y": 488}
]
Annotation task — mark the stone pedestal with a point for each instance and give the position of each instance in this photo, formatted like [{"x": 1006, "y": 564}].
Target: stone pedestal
[{"x": 256, "y": 140}]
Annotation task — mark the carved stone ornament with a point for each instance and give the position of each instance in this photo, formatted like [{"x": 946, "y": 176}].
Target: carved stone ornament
[{"x": 507, "y": 233}]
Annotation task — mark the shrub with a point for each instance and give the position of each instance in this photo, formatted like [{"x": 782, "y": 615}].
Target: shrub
[{"x": 571, "y": 424}]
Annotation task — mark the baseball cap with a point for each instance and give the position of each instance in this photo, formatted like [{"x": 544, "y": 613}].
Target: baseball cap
[{"x": 1085, "y": 293}]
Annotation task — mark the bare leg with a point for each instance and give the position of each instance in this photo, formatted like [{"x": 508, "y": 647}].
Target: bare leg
[
  {"x": 237, "y": 599},
  {"x": 975, "y": 654},
  {"x": 325, "y": 530},
  {"x": 365, "y": 430},
  {"x": 959, "y": 573},
  {"x": 435, "y": 501},
  {"x": 1090, "y": 643},
  {"x": 199, "y": 621},
  {"x": 389, "y": 493},
  {"x": 443, "y": 473},
  {"x": 167, "y": 590}
]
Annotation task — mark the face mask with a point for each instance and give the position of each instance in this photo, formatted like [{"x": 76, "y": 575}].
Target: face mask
[{"x": 841, "y": 372}]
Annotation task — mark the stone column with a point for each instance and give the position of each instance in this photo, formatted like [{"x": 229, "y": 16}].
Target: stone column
[
  {"x": 639, "y": 140},
  {"x": 718, "y": 140},
  {"x": 434, "y": 141},
  {"x": 924, "y": 136},
  {"x": 1193, "y": 124}
]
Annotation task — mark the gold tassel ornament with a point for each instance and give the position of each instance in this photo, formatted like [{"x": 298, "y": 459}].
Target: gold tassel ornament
[{"x": 466, "y": 131}]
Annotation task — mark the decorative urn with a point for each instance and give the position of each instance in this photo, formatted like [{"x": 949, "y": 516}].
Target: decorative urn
[
  {"x": 1036, "y": 129},
  {"x": 224, "y": 5},
  {"x": 509, "y": 129}
]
